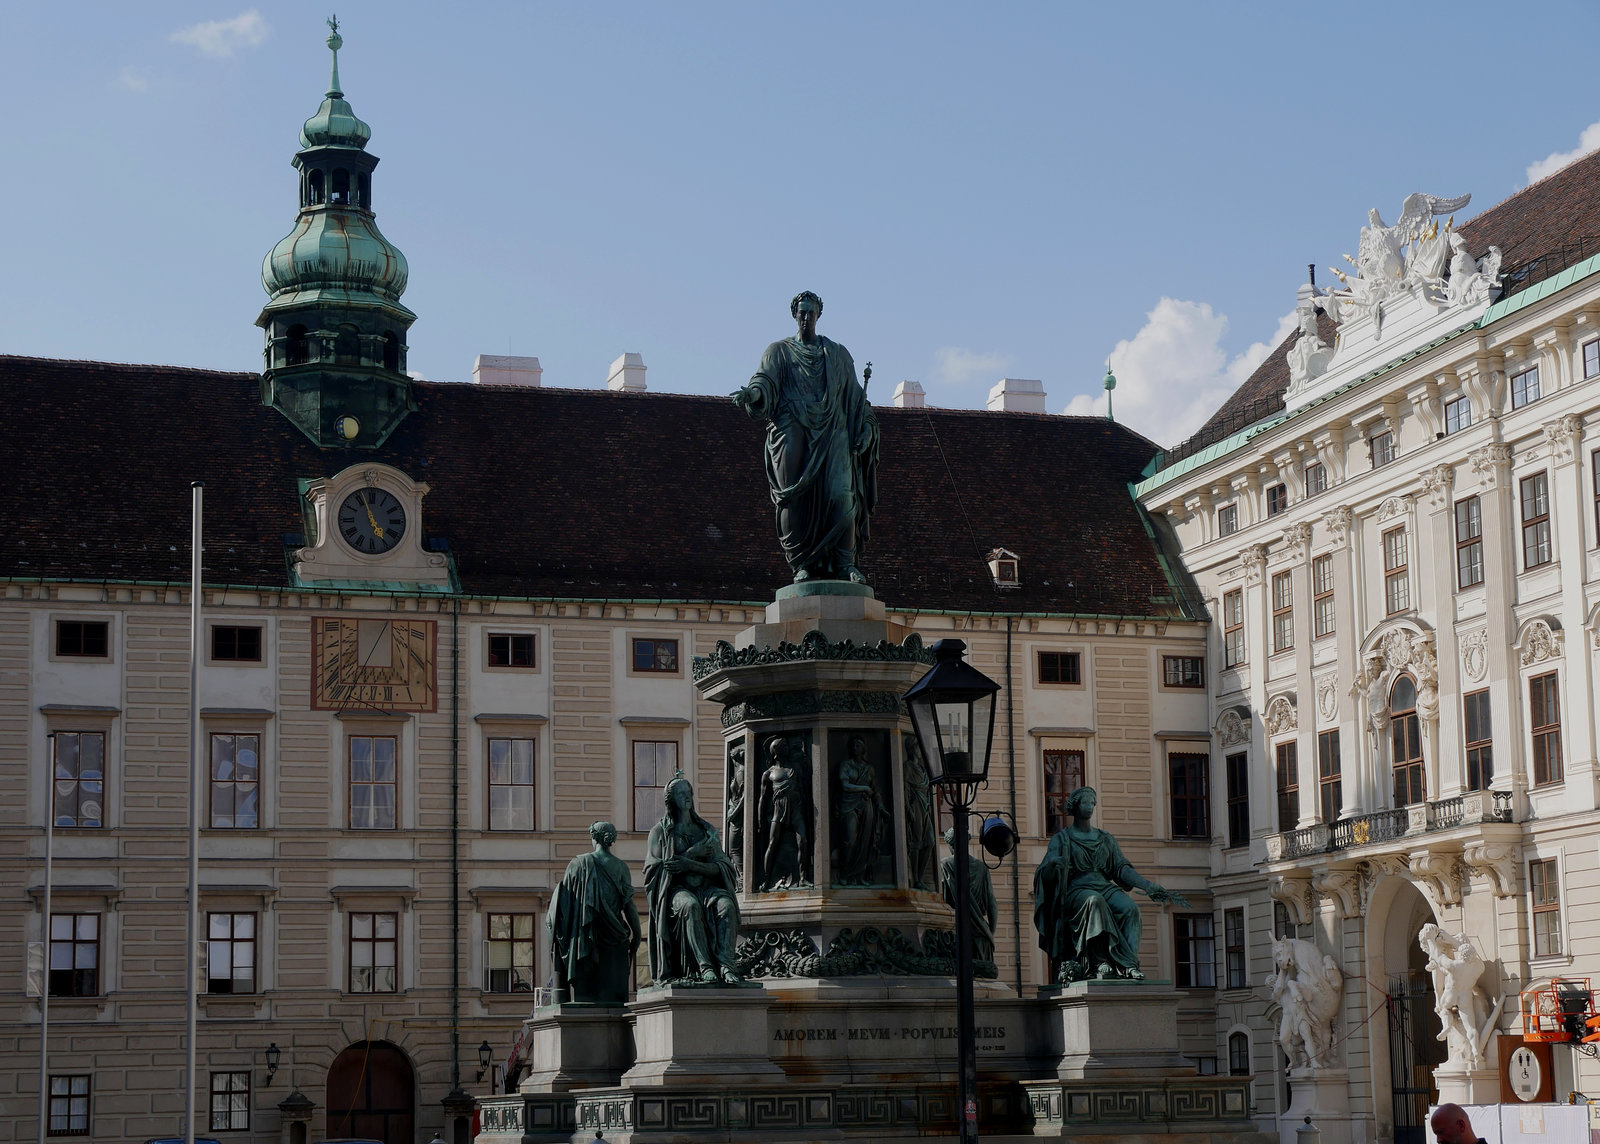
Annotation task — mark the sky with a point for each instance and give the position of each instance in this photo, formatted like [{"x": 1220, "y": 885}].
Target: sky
[{"x": 976, "y": 191}]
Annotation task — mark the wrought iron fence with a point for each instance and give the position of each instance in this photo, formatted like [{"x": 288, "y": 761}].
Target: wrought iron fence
[
  {"x": 1378, "y": 827},
  {"x": 1547, "y": 264}
]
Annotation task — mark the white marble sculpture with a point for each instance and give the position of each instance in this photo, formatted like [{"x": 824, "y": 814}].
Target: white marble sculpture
[
  {"x": 1310, "y": 355},
  {"x": 1471, "y": 278},
  {"x": 1408, "y": 257},
  {"x": 1463, "y": 1008},
  {"x": 1306, "y": 984}
]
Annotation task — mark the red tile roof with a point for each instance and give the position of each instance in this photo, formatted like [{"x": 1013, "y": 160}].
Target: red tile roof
[{"x": 564, "y": 493}]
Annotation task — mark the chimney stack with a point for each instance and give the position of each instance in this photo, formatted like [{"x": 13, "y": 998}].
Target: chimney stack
[
  {"x": 627, "y": 374},
  {"x": 495, "y": 369},
  {"x": 1017, "y": 395},
  {"x": 909, "y": 395}
]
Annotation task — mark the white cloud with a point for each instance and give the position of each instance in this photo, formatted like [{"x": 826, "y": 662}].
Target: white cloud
[
  {"x": 221, "y": 38},
  {"x": 956, "y": 366},
  {"x": 1553, "y": 162},
  {"x": 1174, "y": 373},
  {"x": 132, "y": 79}
]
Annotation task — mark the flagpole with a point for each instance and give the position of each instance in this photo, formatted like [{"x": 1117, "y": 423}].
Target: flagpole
[{"x": 192, "y": 960}]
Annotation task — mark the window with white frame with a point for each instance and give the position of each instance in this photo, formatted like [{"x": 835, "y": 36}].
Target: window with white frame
[
  {"x": 373, "y": 782},
  {"x": 1457, "y": 415},
  {"x": 1524, "y": 387},
  {"x": 1544, "y": 887},
  {"x": 1396, "y": 582},
  {"x": 1277, "y": 499},
  {"x": 511, "y": 784},
  {"x": 1591, "y": 358}
]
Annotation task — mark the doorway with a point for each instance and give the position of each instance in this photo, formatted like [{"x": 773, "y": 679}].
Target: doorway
[{"x": 372, "y": 1094}]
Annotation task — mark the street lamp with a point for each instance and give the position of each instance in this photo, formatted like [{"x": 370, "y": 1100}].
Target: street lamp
[
  {"x": 952, "y": 712},
  {"x": 274, "y": 1056},
  {"x": 485, "y": 1059}
]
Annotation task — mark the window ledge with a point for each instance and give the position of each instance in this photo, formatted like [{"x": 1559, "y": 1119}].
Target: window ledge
[
  {"x": 510, "y": 718},
  {"x": 655, "y": 721}
]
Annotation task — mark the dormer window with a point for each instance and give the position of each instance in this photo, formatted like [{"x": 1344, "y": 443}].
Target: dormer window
[{"x": 1004, "y": 568}]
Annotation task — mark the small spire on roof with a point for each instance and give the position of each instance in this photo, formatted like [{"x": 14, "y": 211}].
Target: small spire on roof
[
  {"x": 335, "y": 42},
  {"x": 1110, "y": 383}
]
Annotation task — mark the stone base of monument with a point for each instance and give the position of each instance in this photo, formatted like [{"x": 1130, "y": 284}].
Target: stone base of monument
[
  {"x": 1324, "y": 1096},
  {"x": 577, "y": 1046},
  {"x": 837, "y": 608},
  {"x": 1106, "y": 1029},
  {"x": 688, "y": 1036},
  {"x": 1467, "y": 1086}
]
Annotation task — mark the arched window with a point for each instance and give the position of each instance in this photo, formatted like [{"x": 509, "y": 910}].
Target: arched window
[
  {"x": 1239, "y": 1054},
  {"x": 314, "y": 189},
  {"x": 1405, "y": 738},
  {"x": 391, "y": 352},
  {"x": 347, "y": 347},
  {"x": 341, "y": 187},
  {"x": 364, "y": 190},
  {"x": 298, "y": 350}
]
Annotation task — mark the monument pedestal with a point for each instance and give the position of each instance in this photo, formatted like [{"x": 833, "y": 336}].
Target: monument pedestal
[
  {"x": 689, "y": 1036},
  {"x": 1323, "y": 1095},
  {"x": 1107, "y": 1029},
  {"x": 577, "y": 1046},
  {"x": 1467, "y": 1086}
]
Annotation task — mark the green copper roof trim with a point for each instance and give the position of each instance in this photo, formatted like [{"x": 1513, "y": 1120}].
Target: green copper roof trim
[{"x": 1540, "y": 291}]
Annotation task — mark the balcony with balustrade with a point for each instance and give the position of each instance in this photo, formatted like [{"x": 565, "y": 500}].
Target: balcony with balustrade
[{"x": 1386, "y": 826}]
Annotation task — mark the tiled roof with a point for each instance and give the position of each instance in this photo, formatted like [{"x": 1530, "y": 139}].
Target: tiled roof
[
  {"x": 564, "y": 493},
  {"x": 1553, "y": 215}
]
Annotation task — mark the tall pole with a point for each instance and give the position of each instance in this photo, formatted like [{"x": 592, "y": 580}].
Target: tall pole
[
  {"x": 966, "y": 1031},
  {"x": 44, "y": 978},
  {"x": 196, "y": 756}
]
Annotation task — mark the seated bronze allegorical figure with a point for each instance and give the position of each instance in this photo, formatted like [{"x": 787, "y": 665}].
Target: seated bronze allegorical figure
[
  {"x": 1087, "y": 921},
  {"x": 690, "y": 883}
]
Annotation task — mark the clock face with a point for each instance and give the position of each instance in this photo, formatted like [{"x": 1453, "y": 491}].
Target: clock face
[{"x": 372, "y": 520}]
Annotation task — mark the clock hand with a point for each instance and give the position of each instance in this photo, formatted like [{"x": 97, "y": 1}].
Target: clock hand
[{"x": 377, "y": 530}]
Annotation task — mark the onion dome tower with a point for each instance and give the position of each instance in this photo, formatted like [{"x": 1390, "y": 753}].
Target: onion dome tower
[{"x": 335, "y": 358}]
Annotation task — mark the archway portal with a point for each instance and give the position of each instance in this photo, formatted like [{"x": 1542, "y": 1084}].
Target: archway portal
[
  {"x": 1415, "y": 1049},
  {"x": 372, "y": 1094}
]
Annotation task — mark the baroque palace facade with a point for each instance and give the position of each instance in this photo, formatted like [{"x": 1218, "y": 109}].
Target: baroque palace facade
[
  {"x": 1395, "y": 524},
  {"x": 446, "y": 627}
]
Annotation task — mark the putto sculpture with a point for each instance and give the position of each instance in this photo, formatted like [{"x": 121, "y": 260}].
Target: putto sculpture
[
  {"x": 822, "y": 447},
  {"x": 1306, "y": 984},
  {"x": 694, "y": 916},
  {"x": 1087, "y": 922},
  {"x": 1464, "y": 1012},
  {"x": 594, "y": 927}
]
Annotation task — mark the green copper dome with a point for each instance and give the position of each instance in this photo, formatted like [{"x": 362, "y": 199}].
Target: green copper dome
[
  {"x": 332, "y": 252},
  {"x": 335, "y": 123}
]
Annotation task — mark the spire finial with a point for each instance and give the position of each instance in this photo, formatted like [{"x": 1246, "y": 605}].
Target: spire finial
[
  {"x": 335, "y": 42},
  {"x": 1110, "y": 383}
]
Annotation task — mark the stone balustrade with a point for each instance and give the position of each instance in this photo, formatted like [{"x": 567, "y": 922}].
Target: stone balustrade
[{"x": 1388, "y": 825}]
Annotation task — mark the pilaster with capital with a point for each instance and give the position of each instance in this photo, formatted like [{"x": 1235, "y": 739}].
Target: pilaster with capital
[
  {"x": 1569, "y": 502},
  {"x": 1496, "y": 498},
  {"x": 1437, "y": 549}
]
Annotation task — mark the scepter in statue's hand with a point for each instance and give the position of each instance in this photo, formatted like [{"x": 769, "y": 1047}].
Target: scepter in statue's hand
[{"x": 866, "y": 376}]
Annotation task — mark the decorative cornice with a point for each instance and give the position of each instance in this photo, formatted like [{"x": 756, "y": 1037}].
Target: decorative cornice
[
  {"x": 1294, "y": 891},
  {"x": 1281, "y": 717},
  {"x": 812, "y": 646},
  {"x": 1393, "y": 506},
  {"x": 1437, "y": 870},
  {"x": 1539, "y": 642},
  {"x": 1343, "y": 886},
  {"x": 1497, "y": 862},
  {"x": 1438, "y": 482}
]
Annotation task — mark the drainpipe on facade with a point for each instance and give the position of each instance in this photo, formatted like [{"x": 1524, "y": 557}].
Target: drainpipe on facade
[{"x": 458, "y": 1104}]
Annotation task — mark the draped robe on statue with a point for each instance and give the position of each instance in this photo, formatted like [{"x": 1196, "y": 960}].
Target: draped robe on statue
[
  {"x": 1081, "y": 907},
  {"x": 590, "y": 937},
  {"x": 822, "y": 453},
  {"x": 694, "y": 917}
]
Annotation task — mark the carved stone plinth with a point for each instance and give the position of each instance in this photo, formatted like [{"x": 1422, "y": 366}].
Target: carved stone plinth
[
  {"x": 1467, "y": 1086},
  {"x": 685, "y": 1036},
  {"x": 1108, "y": 1029},
  {"x": 577, "y": 1046},
  {"x": 1323, "y": 1095},
  {"x": 840, "y": 611}
]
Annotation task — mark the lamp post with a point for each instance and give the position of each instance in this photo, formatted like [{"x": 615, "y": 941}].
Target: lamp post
[{"x": 952, "y": 712}]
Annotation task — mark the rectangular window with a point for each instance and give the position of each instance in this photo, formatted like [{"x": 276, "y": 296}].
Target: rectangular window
[
  {"x": 1183, "y": 670},
  {"x": 1193, "y": 943},
  {"x": 1288, "y": 781},
  {"x": 1594, "y": 466},
  {"x": 372, "y": 782},
  {"x": 236, "y": 644},
  {"x": 1480, "y": 740},
  {"x": 1277, "y": 499},
  {"x": 1233, "y": 628},
  {"x": 80, "y": 778},
  {"x": 1281, "y": 926},
  {"x": 1396, "y": 583},
  {"x": 1524, "y": 387},
  {"x": 1591, "y": 358},
  {"x": 1063, "y": 774},
  {"x": 1233, "y": 949},
  {"x": 1316, "y": 479},
  {"x": 1282, "y": 612},
  {"x": 235, "y": 782},
  {"x": 511, "y": 789},
  {"x": 660, "y": 656},
  {"x": 1330, "y": 779},
  {"x": 1535, "y": 520},
  {"x": 1545, "y": 888},
  {"x": 511, "y": 650},
  {"x": 1239, "y": 1055},
  {"x": 230, "y": 953},
  {"x": 1059, "y": 667},
  {"x": 374, "y": 952},
  {"x": 1322, "y": 596},
  {"x": 1238, "y": 801},
  {"x": 1544, "y": 711},
  {"x": 508, "y": 966},
  {"x": 1191, "y": 785},
  {"x": 83, "y": 639},
  {"x": 654, "y": 764},
  {"x": 1228, "y": 520},
  {"x": 74, "y": 955},
  {"x": 69, "y": 1105},
  {"x": 1382, "y": 446},
  {"x": 230, "y": 1101},
  {"x": 1469, "y": 542},
  {"x": 1457, "y": 415}
]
